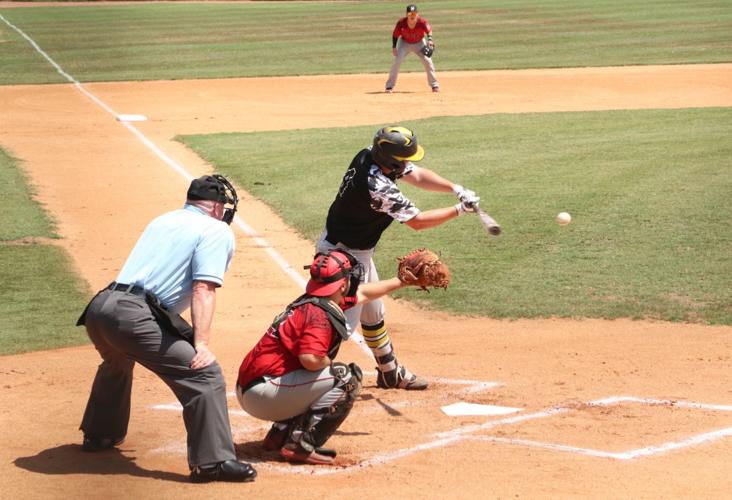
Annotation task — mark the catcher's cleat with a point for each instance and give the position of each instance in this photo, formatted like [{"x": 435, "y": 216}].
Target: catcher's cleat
[
  {"x": 388, "y": 90},
  {"x": 230, "y": 471},
  {"x": 93, "y": 444},
  {"x": 275, "y": 438},
  {"x": 400, "y": 378},
  {"x": 296, "y": 453}
]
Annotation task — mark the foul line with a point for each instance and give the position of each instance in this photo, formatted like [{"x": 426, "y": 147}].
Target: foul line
[
  {"x": 260, "y": 242},
  {"x": 248, "y": 230}
]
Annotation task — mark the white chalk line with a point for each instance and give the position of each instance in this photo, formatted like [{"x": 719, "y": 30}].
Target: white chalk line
[
  {"x": 259, "y": 241},
  {"x": 467, "y": 433},
  {"x": 661, "y": 402},
  {"x": 631, "y": 454}
]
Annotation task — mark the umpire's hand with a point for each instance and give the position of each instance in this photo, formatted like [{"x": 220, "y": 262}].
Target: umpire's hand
[{"x": 203, "y": 357}]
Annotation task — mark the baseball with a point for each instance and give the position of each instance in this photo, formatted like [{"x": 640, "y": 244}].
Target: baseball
[{"x": 563, "y": 218}]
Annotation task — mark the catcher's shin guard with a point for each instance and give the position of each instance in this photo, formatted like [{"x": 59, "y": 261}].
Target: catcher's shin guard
[
  {"x": 277, "y": 435},
  {"x": 313, "y": 428},
  {"x": 390, "y": 375}
]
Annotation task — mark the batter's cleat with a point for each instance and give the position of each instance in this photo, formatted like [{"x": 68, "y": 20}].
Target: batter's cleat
[
  {"x": 296, "y": 453},
  {"x": 275, "y": 438},
  {"x": 435, "y": 89},
  {"x": 388, "y": 90},
  {"x": 230, "y": 471},
  {"x": 400, "y": 378},
  {"x": 94, "y": 444}
]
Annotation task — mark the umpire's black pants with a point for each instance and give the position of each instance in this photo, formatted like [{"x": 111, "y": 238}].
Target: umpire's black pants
[{"x": 124, "y": 331}]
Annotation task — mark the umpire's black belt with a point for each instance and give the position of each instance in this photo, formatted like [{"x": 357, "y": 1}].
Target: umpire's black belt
[{"x": 121, "y": 287}]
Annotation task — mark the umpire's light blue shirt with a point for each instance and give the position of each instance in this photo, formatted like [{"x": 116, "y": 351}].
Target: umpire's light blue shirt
[{"x": 174, "y": 250}]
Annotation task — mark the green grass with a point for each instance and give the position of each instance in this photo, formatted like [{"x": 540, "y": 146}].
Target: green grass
[
  {"x": 20, "y": 215},
  {"x": 40, "y": 299},
  {"x": 40, "y": 294},
  {"x": 180, "y": 40},
  {"x": 650, "y": 193}
]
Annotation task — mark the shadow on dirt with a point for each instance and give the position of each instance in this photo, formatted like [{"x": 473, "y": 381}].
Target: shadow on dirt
[{"x": 69, "y": 459}]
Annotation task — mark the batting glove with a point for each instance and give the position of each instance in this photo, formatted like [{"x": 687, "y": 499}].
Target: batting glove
[
  {"x": 465, "y": 208},
  {"x": 465, "y": 195}
]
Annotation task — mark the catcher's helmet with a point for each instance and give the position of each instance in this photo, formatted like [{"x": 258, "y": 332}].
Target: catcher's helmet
[
  {"x": 393, "y": 146},
  {"x": 330, "y": 270}
]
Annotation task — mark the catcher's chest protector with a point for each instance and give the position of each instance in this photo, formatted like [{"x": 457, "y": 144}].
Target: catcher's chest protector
[{"x": 334, "y": 313}]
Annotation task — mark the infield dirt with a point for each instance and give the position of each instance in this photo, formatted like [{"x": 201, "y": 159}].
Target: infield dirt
[{"x": 103, "y": 185}]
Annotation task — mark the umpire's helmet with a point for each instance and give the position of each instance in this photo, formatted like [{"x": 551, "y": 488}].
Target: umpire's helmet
[{"x": 393, "y": 146}]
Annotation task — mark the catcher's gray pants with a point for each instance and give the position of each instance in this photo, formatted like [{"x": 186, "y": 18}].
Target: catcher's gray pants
[
  {"x": 124, "y": 332},
  {"x": 403, "y": 49},
  {"x": 371, "y": 313},
  {"x": 292, "y": 394}
]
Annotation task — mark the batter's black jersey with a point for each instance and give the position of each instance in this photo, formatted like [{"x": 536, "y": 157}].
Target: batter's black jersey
[{"x": 366, "y": 203}]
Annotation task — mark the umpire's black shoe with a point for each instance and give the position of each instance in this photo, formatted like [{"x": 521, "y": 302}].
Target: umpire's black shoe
[
  {"x": 231, "y": 470},
  {"x": 93, "y": 444}
]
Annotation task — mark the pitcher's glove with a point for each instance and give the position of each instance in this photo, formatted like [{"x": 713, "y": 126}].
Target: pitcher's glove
[{"x": 423, "y": 268}]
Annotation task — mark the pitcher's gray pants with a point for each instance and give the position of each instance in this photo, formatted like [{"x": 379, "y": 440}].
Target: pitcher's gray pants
[
  {"x": 124, "y": 331},
  {"x": 403, "y": 49}
]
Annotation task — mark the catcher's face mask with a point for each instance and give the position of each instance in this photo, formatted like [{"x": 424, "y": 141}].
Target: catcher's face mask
[{"x": 329, "y": 270}]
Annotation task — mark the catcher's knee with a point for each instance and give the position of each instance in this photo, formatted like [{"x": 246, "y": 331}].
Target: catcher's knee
[{"x": 317, "y": 426}]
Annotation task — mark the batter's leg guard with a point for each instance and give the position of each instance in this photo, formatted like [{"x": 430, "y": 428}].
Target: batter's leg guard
[{"x": 390, "y": 375}]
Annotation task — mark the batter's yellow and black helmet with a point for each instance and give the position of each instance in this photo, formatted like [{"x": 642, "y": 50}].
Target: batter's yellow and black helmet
[{"x": 393, "y": 146}]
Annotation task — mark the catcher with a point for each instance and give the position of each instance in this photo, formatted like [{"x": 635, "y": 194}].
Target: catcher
[
  {"x": 290, "y": 376},
  {"x": 367, "y": 202}
]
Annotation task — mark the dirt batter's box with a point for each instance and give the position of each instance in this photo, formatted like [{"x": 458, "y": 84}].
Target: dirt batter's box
[{"x": 471, "y": 432}]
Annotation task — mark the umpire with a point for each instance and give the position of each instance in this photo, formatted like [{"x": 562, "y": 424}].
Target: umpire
[{"x": 177, "y": 263}]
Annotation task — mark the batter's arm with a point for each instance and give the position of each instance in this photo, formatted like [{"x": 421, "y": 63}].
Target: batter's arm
[
  {"x": 432, "y": 218},
  {"x": 428, "y": 180}
]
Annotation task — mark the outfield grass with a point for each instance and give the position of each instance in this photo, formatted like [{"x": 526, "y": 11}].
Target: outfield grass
[
  {"x": 40, "y": 294},
  {"x": 650, "y": 192},
  {"x": 148, "y": 41}
]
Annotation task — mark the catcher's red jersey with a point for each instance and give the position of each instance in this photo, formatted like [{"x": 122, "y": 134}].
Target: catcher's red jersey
[
  {"x": 412, "y": 35},
  {"x": 307, "y": 330}
]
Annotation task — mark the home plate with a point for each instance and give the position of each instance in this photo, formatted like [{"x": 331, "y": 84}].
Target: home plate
[
  {"x": 463, "y": 409},
  {"x": 131, "y": 118}
]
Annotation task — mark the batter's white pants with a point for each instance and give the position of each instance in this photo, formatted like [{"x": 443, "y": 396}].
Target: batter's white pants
[{"x": 371, "y": 313}]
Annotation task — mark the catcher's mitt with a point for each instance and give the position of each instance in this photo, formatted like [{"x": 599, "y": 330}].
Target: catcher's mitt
[
  {"x": 423, "y": 268},
  {"x": 428, "y": 50}
]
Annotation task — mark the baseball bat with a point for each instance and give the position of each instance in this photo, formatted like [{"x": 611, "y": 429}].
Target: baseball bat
[{"x": 489, "y": 223}]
